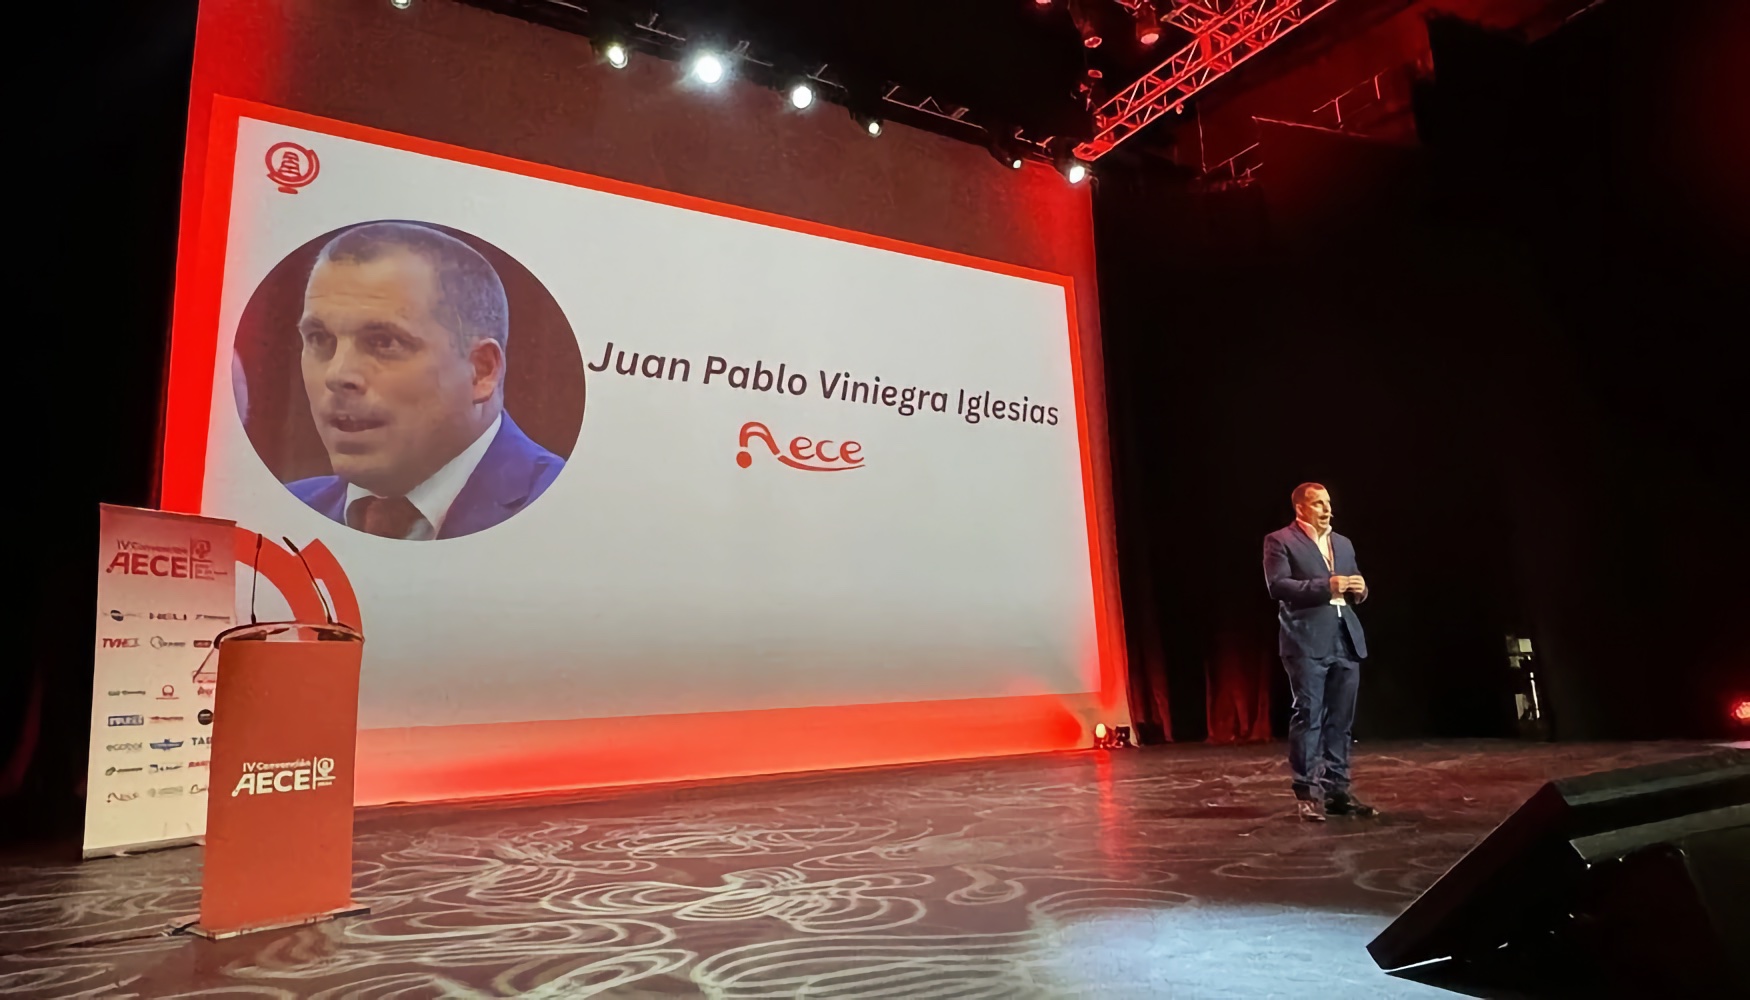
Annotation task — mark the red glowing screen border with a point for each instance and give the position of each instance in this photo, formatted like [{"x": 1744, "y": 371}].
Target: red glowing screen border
[{"x": 912, "y": 730}]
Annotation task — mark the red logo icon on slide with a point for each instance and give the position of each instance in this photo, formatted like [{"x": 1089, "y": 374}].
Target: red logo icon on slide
[
  {"x": 802, "y": 453},
  {"x": 291, "y": 166}
]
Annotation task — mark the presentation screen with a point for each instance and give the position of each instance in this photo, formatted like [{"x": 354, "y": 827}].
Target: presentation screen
[{"x": 586, "y": 452}]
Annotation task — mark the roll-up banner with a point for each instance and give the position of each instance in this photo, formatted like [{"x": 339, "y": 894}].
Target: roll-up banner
[{"x": 165, "y": 588}]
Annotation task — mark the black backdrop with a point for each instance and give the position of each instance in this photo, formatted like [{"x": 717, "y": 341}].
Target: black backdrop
[
  {"x": 1504, "y": 351},
  {"x": 96, "y": 196}
]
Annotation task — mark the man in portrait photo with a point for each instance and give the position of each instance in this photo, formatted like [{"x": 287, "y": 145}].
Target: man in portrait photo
[{"x": 404, "y": 333}]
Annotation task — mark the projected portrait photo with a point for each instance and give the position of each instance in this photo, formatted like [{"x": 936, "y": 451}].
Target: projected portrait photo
[{"x": 408, "y": 380}]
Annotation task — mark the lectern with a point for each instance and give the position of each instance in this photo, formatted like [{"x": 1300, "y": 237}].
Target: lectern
[{"x": 279, "y": 806}]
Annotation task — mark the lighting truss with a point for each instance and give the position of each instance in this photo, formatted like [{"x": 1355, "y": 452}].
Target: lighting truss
[
  {"x": 1225, "y": 34},
  {"x": 924, "y": 104},
  {"x": 653, "y": 33}
]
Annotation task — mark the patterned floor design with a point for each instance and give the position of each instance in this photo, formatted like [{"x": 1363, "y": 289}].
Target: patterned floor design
[{"x": 1173, "y": 872}]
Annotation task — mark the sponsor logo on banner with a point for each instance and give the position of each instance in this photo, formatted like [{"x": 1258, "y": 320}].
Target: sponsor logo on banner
[
  {"x": 166, "y": 744},
  {"x": 159, "y": 642},
  {"x": 802, "y": 453},
  {"x": 167, "y": 693},
  {"x": 167, "y": 616},
  {"x": 204, "y": 717},
  {"x": 124, "y": 747},
  {"x": 200, "y": 763},
  {"x": 200, "y": 741},
  {"x": 203, "y": 690},
  {"x": 121, "y": 796},
  {"x": 291, "y": 166},
  {"x": 159, "y": 768},
  {"x": 119, "y": 615},
  {"x": 123, "y": 693},
  {"x": 193, "y": 561},
  {"x": 166, "y": 791},
  {"x": 301, "y": 775},
  {"x": 127, "y": 720},
  {"x": 130, "y": 643},
  {"x": 111, "y": 772},
  {"x": 203, "y": 644},
  {"x": 169, "y": 718},
  {"x": 197, "y": 789},
  {"x": 212, "y": 618}
]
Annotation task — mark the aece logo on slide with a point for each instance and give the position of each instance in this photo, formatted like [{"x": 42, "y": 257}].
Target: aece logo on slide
[
  {"x": 802, "y": 453},
  {"x": 291, "y": 166}
]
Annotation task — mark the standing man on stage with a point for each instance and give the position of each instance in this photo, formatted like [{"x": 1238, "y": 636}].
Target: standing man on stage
[{"x": 1311, "y": 572}]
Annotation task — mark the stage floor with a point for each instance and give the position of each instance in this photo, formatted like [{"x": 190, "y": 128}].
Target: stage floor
[{"x": 1167, "y": 872}]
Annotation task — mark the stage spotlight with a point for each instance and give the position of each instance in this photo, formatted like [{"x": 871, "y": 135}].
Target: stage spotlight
[
  {"x": 801, "y": 95},
  {"x": 400, "y": 4},
  {"x": 1002, "y": 146},
  {"x": 1741, "y": 711},
  {"x": 870, "y": 124},
  {"x": 1111, "y": 737},
  {"x": 1063, "y": 156},
  {"x": 616, "y": 54},
  {"x": 1148, "y": 24},
  {"x": 708, "y": 68},
  {"x": 1082, "y": 13},
  {"x": 1072, "y": 169}
]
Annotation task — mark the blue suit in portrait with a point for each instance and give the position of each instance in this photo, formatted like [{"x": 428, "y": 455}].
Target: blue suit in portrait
[
  {"x": 512, "y": 472},
  {"x": 1322, "y": 646}
]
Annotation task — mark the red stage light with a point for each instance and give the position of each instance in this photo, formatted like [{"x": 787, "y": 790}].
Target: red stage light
[
  {"x": 1082, "y": 12},
  {"x": 1148, "y": 24},
  {"x": 1741, "y": 711}
]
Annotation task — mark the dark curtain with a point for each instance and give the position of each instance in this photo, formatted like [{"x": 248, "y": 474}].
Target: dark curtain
[
  {"x": 1238, "y": 679},
  {"x": 103, "y": 184},
  {"x": 1149, "y": 704},
  {"x": 1502, "y": 350}
]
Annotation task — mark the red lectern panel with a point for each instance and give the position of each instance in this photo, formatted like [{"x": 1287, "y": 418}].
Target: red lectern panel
[{"x": 279, "y": 812}]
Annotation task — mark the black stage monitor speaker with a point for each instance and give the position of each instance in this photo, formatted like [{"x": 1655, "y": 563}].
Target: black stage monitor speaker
[{"x": 1626, "y": 883}]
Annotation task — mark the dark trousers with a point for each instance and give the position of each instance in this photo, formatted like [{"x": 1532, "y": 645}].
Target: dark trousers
[{"x": 1324, "y": 713}]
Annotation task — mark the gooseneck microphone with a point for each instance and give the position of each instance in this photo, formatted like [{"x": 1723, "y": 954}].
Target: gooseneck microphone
[
  {"x": 326, "y": 610},
  {"x": 254, "y": 576}
]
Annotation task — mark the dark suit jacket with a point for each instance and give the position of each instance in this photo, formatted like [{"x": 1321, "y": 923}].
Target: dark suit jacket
[
  {"x": 1295, "y": 572},
  {"x": 511, "y": 474}
]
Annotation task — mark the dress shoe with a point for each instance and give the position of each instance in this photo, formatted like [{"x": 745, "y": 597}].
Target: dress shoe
[
  {"x": 1347, "y": 805},
  {"x": 1310, "y": 810}
]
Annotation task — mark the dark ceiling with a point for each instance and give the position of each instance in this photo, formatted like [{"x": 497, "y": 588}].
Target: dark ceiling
[
  {"x": 1012, "y": 64},
  {"x": 988, "y": 68}
]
